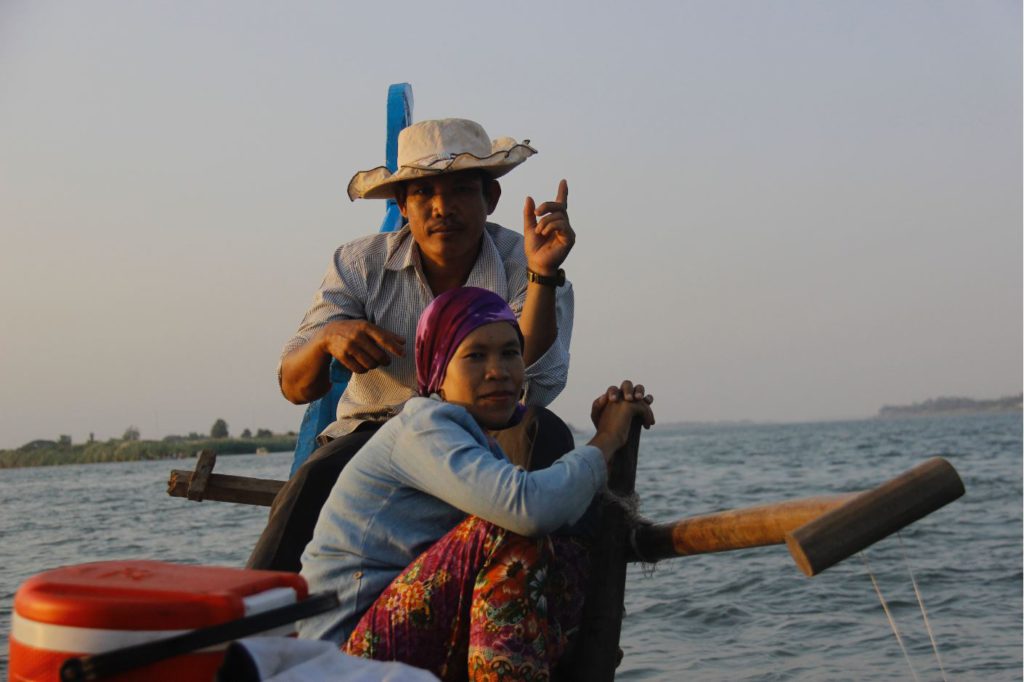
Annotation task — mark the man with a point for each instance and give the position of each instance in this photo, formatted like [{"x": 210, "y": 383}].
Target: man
[{"x": 366, "y": 310}]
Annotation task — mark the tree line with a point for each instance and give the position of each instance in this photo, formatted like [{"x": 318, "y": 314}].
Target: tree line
[{"x": 131, "y": 447}]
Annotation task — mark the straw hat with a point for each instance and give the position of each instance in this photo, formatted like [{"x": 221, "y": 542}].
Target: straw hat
[{"x": 446, "y": 145}]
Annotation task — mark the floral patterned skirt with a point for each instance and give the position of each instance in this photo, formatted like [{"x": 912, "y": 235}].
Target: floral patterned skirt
[{"x": 482, "y": 603}]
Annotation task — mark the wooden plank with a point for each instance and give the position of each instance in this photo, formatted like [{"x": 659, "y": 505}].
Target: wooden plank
[
  {"x": 598, "y": 654},
  {"x": 197, "y": 481},
  {"x": 227, "y": 488}
]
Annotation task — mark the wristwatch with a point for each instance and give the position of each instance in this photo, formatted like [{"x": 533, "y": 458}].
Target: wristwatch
[{"x": 557, "y": 280}]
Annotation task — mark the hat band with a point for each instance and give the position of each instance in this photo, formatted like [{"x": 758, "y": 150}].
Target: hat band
[{"x": 431, "y": 159}]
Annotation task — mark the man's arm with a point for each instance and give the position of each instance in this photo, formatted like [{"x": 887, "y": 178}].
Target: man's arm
[
  {"x": 335, "y": 326},
  {"x": 546, "y": 377},
  {"x": 547, "y": 243},
  {"x": 357, "y": 344}
]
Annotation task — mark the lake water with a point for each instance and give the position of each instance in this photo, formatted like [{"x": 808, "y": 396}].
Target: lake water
[{"x": 747, "y": 615}]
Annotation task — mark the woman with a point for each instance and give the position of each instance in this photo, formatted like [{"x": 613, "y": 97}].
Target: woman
[{"x": 494, "y": 592}]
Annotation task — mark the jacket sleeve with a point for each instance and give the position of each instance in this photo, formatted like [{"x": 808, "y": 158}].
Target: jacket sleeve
[{"x": 443, "y": 452}]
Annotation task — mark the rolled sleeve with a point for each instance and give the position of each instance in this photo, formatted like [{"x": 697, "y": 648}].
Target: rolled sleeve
[
  {"x": 340, "y": 297},
  {"x": 546, "y": 377}
]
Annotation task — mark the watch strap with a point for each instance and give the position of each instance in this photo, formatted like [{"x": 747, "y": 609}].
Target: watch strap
[{"x": 556, "y": 280}]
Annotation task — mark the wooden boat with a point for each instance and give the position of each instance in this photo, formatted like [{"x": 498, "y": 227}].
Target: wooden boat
[{"x": 819, "y": 531}]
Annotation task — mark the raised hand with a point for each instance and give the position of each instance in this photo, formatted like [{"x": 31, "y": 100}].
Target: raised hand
[
  {"x": 360, "y": 345},
  {"x": 548, "y": 241}
]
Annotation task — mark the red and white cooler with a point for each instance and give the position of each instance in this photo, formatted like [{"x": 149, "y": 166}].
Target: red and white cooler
[{"x": 98, "y": 607}]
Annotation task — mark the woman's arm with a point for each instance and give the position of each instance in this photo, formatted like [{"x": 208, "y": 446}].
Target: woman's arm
[{"x": 443, "y": 452}]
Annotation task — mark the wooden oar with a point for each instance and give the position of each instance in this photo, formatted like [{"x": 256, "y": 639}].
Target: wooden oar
[
  {"x": 765, "y": 524},
  {"x": 820, "y": 531}
]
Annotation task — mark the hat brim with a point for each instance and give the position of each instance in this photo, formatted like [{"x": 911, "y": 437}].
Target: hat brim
[{"x": 379, "y": 182}]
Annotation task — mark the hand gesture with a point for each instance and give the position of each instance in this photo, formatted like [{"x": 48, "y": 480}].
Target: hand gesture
[
  {"x": 548, "y": 241},
  {"x": 359, "y": 345},
  {"x": 613, "y": 412}
]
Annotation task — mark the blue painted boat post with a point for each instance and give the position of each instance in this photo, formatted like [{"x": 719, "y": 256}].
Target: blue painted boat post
[{"x": 320, "y": 413}]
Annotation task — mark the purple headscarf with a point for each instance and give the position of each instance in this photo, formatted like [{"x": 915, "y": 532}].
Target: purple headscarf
[{"x": 446, "y": 322}]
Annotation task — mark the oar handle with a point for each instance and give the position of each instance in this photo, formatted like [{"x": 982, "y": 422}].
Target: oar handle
[{"x": 111, "y": 663}]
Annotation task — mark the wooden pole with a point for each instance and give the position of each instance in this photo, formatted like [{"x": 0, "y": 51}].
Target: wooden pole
[
  {"x": 728, "y": 530},
  {"x": 873, "y": 515},
  {"x": 597, "y": 651},
  {"x": 201, "y": 475}
]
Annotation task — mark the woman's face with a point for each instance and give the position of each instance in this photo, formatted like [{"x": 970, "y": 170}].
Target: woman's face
[{"x": 485, "y": 375}]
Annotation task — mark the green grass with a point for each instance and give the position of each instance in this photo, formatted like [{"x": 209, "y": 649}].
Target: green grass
[{"x": 54, "y": 454}]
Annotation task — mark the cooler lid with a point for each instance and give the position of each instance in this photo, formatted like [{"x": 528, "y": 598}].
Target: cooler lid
[{"x": 147, "y": 595}]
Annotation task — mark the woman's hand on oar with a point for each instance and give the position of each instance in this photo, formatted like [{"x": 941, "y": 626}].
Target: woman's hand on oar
[{"x": 613, "y": 412}]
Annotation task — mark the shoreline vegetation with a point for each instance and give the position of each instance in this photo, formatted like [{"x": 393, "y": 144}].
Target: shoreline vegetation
[
  {"x": 953, "y": 407},
  {"x": 131, "y": 448},
  {"x": 55, "y": 453}
]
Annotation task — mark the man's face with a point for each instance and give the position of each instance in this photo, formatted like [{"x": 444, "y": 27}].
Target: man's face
[{"x": 446, "y": 214}]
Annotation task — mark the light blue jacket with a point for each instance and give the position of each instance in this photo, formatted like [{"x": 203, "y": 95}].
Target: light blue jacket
[{"x": 417, "y": 478}]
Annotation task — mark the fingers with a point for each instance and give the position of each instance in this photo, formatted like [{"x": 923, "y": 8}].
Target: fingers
[
  {"x": 637, "y": 399},
  {"x": 361, "y": 361},
  {"x": 631, "y": 392},
  {"x": 389, "y": 341},
  {"x": 645, "y": 413},
  {"x": 597, "y": 408},
  {"x": 549, "y": 207},
  {"x": 529, "y": 215},
  {"x": 555, "y": 224},
  {"x": 560, "y": 204},
  {"x": 361, "y": 346},
  {"x": 553, "y": 211},
  {"x": 641, "y": 407},
  {"x": 627, "y": 391}
]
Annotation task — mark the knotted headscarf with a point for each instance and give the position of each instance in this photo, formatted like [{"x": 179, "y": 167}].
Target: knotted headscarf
[{"x": 446, "y": 322}]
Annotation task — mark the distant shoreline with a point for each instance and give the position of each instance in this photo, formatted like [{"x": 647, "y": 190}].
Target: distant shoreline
[
  {"x": 953, "y": 407},
  {"x": 50, "y": 453}
]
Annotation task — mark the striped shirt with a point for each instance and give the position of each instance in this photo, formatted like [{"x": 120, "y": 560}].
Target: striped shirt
[{"x": 379, "y": 279}]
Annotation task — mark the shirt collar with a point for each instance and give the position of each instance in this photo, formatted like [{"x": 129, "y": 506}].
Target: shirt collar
[
  {"x": 488, "y": 271},
  {"x": 400, "y": 254}
]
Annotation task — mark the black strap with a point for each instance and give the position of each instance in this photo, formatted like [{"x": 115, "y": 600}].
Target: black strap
[{"x": 120, "y": 660}]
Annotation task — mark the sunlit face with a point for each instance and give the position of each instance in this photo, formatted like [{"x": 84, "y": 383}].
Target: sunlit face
[
  {"x": 486, "y": 374},
  {"x": 447, "y": 214}
]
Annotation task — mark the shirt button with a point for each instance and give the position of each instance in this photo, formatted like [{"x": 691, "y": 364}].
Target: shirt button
[{"x": 357, "y": 575}]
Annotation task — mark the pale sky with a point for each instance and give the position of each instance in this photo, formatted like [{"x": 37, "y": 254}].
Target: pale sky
[{"x": 785, "y": 211}]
